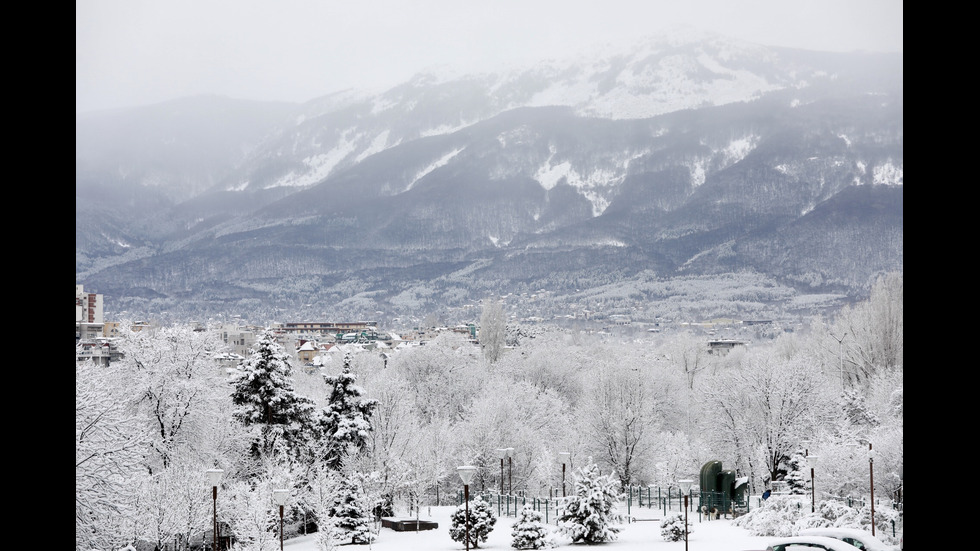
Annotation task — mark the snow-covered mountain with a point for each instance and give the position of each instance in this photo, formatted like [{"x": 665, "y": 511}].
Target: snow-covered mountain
[{"x": 676, "y": 157}]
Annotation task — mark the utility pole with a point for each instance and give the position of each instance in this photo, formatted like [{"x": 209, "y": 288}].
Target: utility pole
[{"x": 840, "y": 352}]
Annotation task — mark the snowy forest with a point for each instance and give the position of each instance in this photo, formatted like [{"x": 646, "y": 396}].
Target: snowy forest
[{"x": 374, "y": 435}]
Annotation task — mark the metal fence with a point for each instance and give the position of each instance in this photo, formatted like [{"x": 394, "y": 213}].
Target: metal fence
[{"x": 636, "y": 500}]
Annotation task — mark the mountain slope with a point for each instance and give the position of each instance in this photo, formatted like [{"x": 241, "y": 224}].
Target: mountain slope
[{"x": 783, "y": 164}]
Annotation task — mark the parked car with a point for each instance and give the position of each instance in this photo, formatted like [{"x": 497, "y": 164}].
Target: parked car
[
  {"x": 858, "y": 538},
  {"x": 809, "y": 543}
]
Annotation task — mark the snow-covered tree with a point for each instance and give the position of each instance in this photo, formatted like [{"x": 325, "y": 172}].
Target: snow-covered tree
[
  {"x": 530, "y": 533},
  {"x": 109, "y": 445},
  {"x": 265, "y": 399},
  {"x": 493, "y": 329},
  {"x": 874, "y": 329},
  {"x": 480, "y": 522},
  {"x": 689, "y": 354},
  {"x": 797, "y": 474},
  {"x": 346, "y": 421},
  {"x": 856, "y": 410},
  {"x": 440, "y": 377},
  {"x": 351, "y": 511},
  {"x": 508, "y": 413},
  {"x": 620, "y": 414},
  {"x": 319, "y": 497},
  {"x": 768, "y": 404},
  {"x": 589, "y": 515},
  {"x": 178, "y": 386},
  {"x": 248, "y": 508}
]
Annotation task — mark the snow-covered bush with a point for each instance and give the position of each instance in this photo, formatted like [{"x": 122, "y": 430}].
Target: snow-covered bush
[
  {"x": 884, "y": 515},
  {"x": 672, "y": 527},
  {"x": 588, "y": 515},
  {"x": 776, "y": 517},
  {"x": 530, "y": 533},
  {"x": 481, "y": 521},
  {"x": 783, "y": 516}
]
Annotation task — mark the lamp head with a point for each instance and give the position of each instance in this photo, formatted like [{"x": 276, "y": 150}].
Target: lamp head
[
  {"x": 501, "y": 452},
  {"x": 214, "y": 476},
  {"x": 564, "y": 456},
  {"x": 280, "y": 496},
  {"x": 811, "y": 460},
  {"x": 466, "y": 473},
  {"x": 685, "y": 485}
]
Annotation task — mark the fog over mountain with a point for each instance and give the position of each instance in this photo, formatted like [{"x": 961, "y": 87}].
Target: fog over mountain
[{"x": 682, "y": 177}]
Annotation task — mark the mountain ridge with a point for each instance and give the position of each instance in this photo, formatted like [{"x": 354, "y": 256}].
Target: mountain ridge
[{"x": 438, "y": 173}]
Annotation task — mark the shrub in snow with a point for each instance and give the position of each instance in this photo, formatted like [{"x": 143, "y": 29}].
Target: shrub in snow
[
  {"x": 481, "y": 521},
  {"x": 776, "y": 517},
  {"x": 530, "y": 533},
  {"x": 884, "y": 515},
  {"x": 837, "y": 514},
  {"x": 783, "y": 516},
  {"x": 672, "y": 527},
  {"x": 588, "y": 515}
]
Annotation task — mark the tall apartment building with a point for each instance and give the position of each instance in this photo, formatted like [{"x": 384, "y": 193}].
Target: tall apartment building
[{"x": 88, "y": 314}]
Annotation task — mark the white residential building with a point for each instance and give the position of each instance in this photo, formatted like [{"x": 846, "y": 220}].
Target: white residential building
[{"x": 88, "y": 314}]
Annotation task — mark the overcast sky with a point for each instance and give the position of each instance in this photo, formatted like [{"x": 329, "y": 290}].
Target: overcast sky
[{"x": 138, "y": 52}]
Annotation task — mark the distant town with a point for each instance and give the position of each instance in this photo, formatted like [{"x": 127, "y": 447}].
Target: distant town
[{"x": 314, "y": 343}]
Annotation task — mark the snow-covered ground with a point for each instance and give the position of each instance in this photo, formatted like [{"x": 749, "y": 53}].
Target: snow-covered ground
[{"x": 643, "y": 535}]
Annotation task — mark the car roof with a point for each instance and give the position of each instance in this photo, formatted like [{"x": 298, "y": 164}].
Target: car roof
[
  {"x": 828, "y": 542},
  {"x": 869, "y": 541}
]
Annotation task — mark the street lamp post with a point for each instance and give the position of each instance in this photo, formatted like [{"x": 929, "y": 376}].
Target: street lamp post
[
  {"x": 812, "y": 461},
  {"x": 564, "y": 456},
  {"x": 280, "y": 497},
  {"x": 501, "y": 453},
  {"x": 686, "y": 490},
  {"x": 840, "y": 352},
  {"x": 466, "y": 473},
  {"x": 510, "y": 471},
  {"x": 871, "y": 471},
  {"x": 214, "y": 478}
]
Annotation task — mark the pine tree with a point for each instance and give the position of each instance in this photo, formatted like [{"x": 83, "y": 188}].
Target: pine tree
[
  {"x": 797, "y": 477},
  {"x": 264, "y": 398},
  {"x": 529, "y": 532},
  {"x": 587, "y": 516},
  {"x": 856, "y": 410},
  {"x": 345, "y": 422},
  {"x": 481, "y": 521},
  {"x": 350, "y": 516}
]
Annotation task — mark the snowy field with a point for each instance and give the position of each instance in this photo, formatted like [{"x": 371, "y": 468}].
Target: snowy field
[{"x": 644, "y": 535}]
